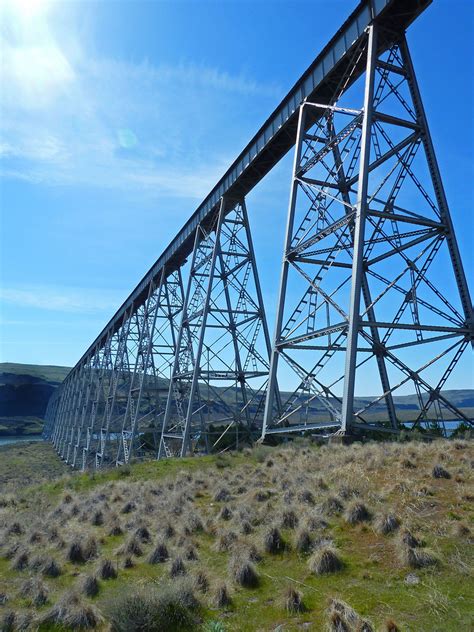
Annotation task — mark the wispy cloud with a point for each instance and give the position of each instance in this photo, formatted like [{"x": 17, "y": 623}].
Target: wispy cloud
[
  {"x": 61, "y": 299},
  {"x": 69, "y": 118}
]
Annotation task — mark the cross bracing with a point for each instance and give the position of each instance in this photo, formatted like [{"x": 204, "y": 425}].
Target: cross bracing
[{"x": 187, "y": 362}]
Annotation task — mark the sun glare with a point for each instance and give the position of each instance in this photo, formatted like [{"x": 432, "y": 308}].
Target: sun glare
[{"x": 26, "y": 9}]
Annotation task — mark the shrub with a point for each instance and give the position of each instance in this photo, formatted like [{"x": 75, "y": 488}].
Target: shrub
[
  {"x": 273, "y": 541},
  {"x": 97, "y": 519},
  {"x": 107, "y": 570},
  {"x": 71, "y": 612},
  {"x": 387, "y": 523},
  {"x": 149, "y": 610},
  {"x": 159, "y": 554},
  {"x": 243, "y": 572},
  {"x": 325, "y": 560},
  {"x": 293, "y": 601},
  {"x": 440, "y": 472}
]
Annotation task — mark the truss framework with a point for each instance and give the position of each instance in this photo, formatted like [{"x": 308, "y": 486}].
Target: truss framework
[
  {"x": 369, "y": 232},
  {"x": 221, "y": 363},
  {"x": 372, "y": 292}
]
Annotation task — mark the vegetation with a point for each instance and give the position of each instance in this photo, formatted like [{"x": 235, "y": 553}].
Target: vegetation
[{"x": 296, "y": 537}]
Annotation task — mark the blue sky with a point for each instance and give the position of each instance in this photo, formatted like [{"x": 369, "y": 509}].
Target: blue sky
[{"x": 117, "y": 118}]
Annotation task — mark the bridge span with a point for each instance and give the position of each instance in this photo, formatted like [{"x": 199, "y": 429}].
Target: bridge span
[{"x": 372, "y": 282}]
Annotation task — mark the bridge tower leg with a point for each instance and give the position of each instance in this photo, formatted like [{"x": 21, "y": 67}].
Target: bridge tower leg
[
  {"x": 372, "y": 289},
  {"x": 158, "y": 327},
  {"x": 221, "y": 363}
]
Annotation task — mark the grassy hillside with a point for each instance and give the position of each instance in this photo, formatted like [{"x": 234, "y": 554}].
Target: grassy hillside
[
  {"x": 24, "y": 393},
  {"x": 366, "y": 537}
]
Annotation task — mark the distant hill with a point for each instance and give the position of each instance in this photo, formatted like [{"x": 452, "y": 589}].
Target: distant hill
[
  {"x": 26, "y": 388},
  {"x": 24, "y": 393}
]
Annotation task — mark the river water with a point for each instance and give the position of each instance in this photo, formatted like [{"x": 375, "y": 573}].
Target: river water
[{"x": 19, "y": 439}]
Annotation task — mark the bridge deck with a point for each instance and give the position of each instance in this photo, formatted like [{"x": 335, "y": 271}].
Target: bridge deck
[{"x": 277, "y": 135}]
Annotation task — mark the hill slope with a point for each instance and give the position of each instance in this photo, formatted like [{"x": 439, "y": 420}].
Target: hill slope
[
  {"x": 268, "y": 539},
  {"x": 24, "y": 393},
  {"x": 26, "y": 388}
]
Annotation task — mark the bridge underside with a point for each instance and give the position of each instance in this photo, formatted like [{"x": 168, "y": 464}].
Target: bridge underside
[{"x": 373, "y": 293}]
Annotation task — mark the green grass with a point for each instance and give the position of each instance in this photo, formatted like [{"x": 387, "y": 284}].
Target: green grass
[{"x": 373, "y": 579}]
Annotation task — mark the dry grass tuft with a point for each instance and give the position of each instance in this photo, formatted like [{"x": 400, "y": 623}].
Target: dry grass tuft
[
  {"x": 159, "y": 554},
  {"x": 293, "y": 601},
  {"x": 128, "y": 562},
  {"x": 225, "y": 513},
  {"x": 391, "y": 626},
  {"x": 243, "y": 572},
  {"x": 387, "y": 523},
  {"x": 407, "y": 538},
  {"x": 343, "y": 618},
  {"x": 35, "y": 592},
  {"x": 221, "y": 597},
  {"x": 222, "y": 495},
  {"x": 72, "y": 612},
  {"x": 89, "y": 585},
  {"x": 325, "y": 560},
  {"x": 143, "y": 534},
  {"x": 225, "y": 541},
  {"x": 107, "y": 570},
  {"x": 20, "y": 562},
  {"x": 116, "y": 529},
  {"x": 273, "y": 541},
  {"x": 131, "y": 547},
  {"x": 303, "y": 541},
  {"x": 440, "y": 472},
  {"x": 289, "y": 519},
  {"x": 417, "y": 558},
  {"x": 177, "y": 567},
  {"x": 356, "y": 513},
  {"x": 201, "y": 582},
  {"x": 332, "y": 506}
]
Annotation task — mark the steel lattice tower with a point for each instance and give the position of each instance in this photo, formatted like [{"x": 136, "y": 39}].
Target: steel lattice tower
[
  {"x": 369, "y": 237},
  {"x": 373, "y": 296},
  {"x": 223, "y": 339}
]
